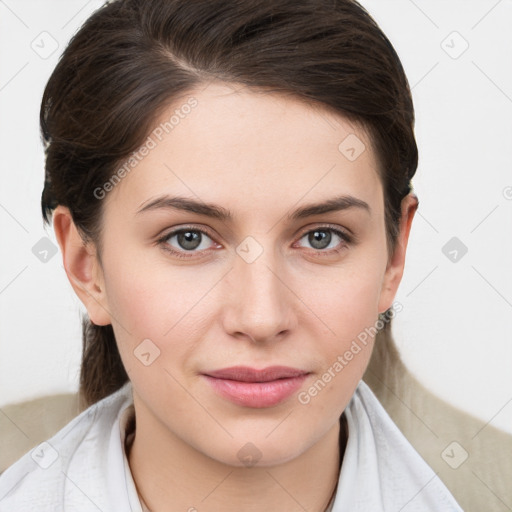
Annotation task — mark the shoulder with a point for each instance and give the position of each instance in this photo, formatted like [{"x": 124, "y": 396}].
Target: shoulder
[
  {"x": 381, "y": 470},
  {"x": 58, "y": 469}
]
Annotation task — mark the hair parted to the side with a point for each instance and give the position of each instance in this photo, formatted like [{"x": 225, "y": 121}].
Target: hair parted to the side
[{"x": 131, "y": 58}]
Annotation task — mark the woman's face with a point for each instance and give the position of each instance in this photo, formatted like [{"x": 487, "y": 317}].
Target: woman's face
[{"x": 257, "y": 278}]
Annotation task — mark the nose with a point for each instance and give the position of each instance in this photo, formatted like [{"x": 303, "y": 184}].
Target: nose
[{"x": 259, "y": 300}]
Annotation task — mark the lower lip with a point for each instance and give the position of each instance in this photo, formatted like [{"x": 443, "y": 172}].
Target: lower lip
[{"x": 256, "y": 394}]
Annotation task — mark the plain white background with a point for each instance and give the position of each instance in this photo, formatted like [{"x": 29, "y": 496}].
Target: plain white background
[{"x": 454, "y": 332}]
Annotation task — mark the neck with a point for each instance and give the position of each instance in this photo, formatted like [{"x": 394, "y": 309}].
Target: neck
[{"x": 171, "y": 475}]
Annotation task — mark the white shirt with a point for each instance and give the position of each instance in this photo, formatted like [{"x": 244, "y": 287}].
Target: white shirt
[{"x": 84, "y": 467}]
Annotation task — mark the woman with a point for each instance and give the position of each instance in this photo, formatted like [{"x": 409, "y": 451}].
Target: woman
[{"x": 229, "y": 184}]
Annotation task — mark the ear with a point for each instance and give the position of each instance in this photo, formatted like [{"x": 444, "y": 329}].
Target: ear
[
  {"x": 395, "y": 267},
  {"x": 82, "y": 266}
]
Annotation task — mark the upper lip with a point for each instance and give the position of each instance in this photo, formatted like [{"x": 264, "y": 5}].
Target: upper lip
[{"x": 247, "y": 374}]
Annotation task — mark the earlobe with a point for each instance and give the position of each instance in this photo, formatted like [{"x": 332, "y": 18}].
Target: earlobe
[
  {"x": 395, "y": 267},
  {"x": 82, "y": 266}
]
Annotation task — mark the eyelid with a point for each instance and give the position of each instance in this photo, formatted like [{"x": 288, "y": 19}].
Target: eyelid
[
  {"x": 347, "y": 234},
  {"x": 192, "y": 227}
]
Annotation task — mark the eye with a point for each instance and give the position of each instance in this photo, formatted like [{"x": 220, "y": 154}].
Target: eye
[
  {"x": 327, "y": 239},
  {"x": 185, "y": 240},
  {"x": 188, "y": 242}
]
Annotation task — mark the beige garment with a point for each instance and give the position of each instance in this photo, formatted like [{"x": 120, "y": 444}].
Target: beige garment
[
  {"x": 441, "y": 433},
  {"x": 26, "y": 424}
]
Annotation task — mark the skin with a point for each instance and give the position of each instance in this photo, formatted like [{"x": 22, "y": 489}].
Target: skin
[{"x": 260, "y": 155}]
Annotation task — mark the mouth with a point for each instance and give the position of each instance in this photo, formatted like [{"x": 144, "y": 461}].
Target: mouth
[{"x": 250, "y": 387}]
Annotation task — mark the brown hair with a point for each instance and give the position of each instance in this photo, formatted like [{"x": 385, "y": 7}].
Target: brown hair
[{"x": 132, "y": 57}]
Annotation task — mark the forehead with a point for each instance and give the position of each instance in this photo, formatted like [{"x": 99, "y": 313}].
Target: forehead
[{"x": 253, "y": 149}]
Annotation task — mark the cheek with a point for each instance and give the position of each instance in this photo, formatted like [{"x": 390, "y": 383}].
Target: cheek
[
  {"x": 170, "y": 306},
  {"x": 348, "y": 300},
  {"x": 150, "y": 298},
  {"x": 153, "y": 312},
  {"x": 347, "y": 307},
  {"x": 134, "y": 301}
]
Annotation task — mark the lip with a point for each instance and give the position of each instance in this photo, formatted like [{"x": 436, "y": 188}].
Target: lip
[{"x": 255, "y": 388}]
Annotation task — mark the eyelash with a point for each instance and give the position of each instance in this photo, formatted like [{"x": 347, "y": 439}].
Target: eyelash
[{"x": 163, "y": 241}]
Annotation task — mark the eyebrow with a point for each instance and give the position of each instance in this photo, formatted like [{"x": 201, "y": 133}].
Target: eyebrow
[{"x": 339, "y": 203}]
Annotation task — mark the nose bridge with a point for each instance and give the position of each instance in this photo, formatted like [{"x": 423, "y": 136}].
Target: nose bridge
[{"x": 259, "y": 300}]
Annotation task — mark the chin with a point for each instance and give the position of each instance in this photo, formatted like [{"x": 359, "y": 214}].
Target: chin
[{"x": 260, "y": 451}]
